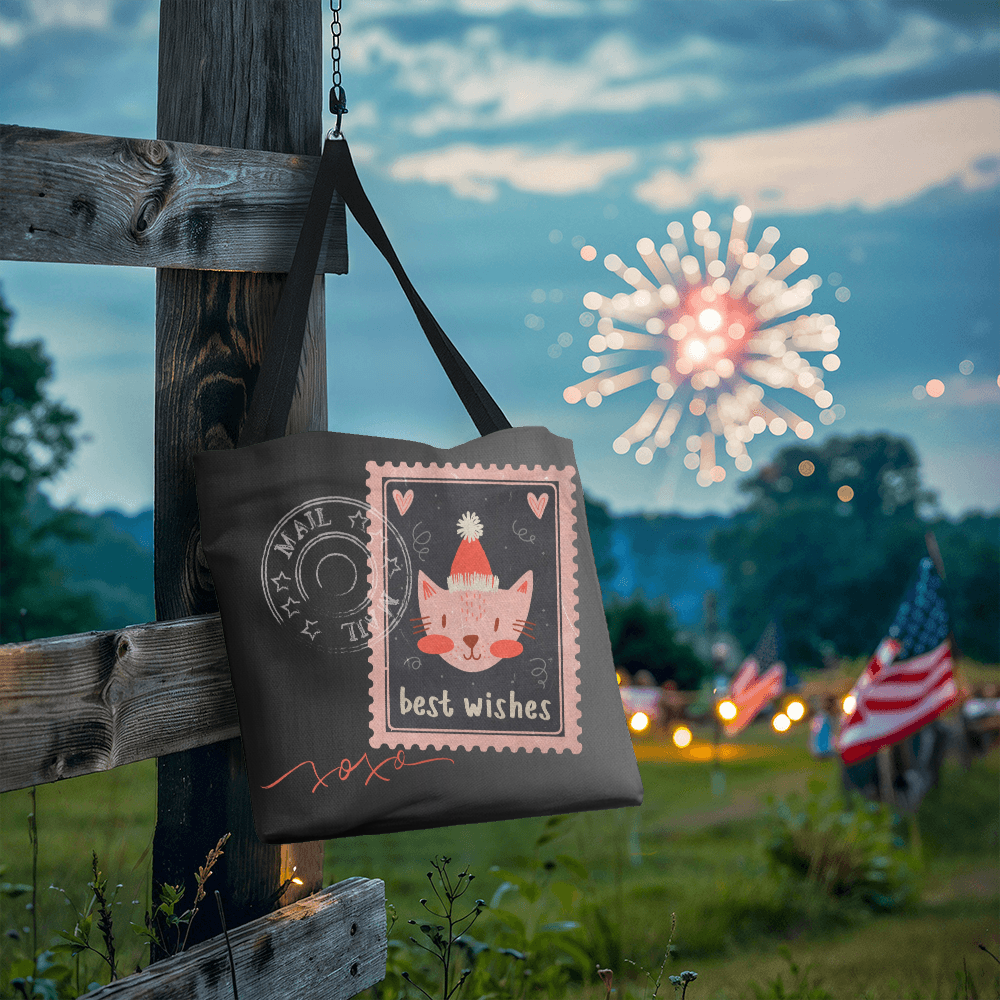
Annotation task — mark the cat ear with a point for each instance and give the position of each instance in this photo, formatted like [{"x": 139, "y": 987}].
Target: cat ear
[
  {"x": 426, "y": 586},
  {"x": 525, "y": 584}
]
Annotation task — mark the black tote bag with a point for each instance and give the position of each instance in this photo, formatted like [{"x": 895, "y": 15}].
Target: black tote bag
[{"x": 416, "y": 635}]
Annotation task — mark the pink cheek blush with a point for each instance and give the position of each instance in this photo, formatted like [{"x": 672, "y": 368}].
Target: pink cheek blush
[
  {"x": 506, "y": 648},
  {"x": 436, "y": 644}
]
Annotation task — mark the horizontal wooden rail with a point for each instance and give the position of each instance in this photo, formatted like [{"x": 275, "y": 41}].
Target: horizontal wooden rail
[
  {"x": 328, "y": 946},
  {"x": 83, "y": 703},
  {"x": 93, "y": 199}
]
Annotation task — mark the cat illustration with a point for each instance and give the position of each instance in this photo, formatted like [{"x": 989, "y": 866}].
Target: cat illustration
[{"x": 473, "y": 622}]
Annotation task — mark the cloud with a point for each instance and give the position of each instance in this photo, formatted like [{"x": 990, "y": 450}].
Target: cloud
[
  {"x": 375, "y": 10},
  {"x": 473, "y": 171},
  {"x": 867, "y": 162},
  {"x": 921, "y": 41},
  {"x": 962, "y": 393},
  {"x": 476, "y": 65},
  {"x": 37, "y": 16},
  {"x": 479, "y": 82}
]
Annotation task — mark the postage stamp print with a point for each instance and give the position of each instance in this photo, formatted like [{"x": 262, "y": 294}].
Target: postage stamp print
[{"x": 486, "y": 654}]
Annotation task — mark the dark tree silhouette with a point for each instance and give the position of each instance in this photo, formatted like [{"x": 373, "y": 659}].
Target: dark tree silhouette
[
  {"x": 36, "y": 443},
  {"x": 643, "y": 637},
  {"x": 833, "y": 570}
]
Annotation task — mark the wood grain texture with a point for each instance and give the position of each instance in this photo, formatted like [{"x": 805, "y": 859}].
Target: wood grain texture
[
  {"x": 238, "y": 74},
  {"x": 328, "y": 947},
  {"x": 92, "y": 199},
  {"x": 83, "y": 703}
]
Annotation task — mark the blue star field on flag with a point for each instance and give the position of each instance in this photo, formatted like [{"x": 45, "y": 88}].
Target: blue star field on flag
[{"x": 922, "y": 620}]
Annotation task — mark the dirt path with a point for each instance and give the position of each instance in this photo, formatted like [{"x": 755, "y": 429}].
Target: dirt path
[
  {"x": 746, "y": 803},
  {"x": 970, "y": 883},
  {"x": 701, "y": 751}
]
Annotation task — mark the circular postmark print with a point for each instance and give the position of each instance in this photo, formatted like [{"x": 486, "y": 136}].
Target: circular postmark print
[{"x": 320, "y": 581}]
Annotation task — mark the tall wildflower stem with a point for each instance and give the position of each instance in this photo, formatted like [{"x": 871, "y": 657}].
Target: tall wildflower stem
[{"x": 33, "y": 837}]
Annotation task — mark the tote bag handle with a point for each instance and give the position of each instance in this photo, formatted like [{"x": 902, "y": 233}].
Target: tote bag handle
[{"x": 272, "y": 395}]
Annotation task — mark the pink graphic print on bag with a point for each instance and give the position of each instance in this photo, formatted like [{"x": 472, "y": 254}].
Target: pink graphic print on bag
[
  {"x": 473, "y": 622},
  {"x": 491, "y": 658}
]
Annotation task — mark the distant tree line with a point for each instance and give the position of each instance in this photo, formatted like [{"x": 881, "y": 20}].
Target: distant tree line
[
  {"x": 832, "y": 569},
  {"x": 643, "y": 633}
]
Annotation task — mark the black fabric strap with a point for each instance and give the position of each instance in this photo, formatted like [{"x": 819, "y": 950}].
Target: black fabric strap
[{"x": 275, "y": 388}]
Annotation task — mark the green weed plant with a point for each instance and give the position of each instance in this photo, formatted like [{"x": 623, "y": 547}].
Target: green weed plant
[
  {"x": 88, "y": 951},
  {"x": 851, "y": 852}
]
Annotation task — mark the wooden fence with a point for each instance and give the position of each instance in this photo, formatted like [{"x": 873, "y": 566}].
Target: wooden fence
[{"x": 215, "y": 203}]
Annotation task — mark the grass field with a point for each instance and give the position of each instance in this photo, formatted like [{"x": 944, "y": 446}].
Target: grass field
[{"x": 685, "y": 851}]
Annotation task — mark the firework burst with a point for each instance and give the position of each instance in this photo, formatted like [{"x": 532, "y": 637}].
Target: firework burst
[{"x": 712, "y": 338}]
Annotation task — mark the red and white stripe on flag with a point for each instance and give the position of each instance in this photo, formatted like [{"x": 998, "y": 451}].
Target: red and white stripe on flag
[
  {"x": 895, "y": 699},
  {"x": 750, "y": 692}
]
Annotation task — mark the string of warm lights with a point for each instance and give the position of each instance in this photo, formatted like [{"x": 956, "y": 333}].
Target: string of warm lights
[
  {"x": 702, "y": 337},
  {"x": 727, "y": 710}
]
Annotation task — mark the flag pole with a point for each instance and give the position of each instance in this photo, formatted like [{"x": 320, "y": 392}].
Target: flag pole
[
  {"x": 935, "y": 553},
  {"x": 719, "y": 651},
  {"x": 930, "y": 541},
  {"x": 718, "y": 776}
]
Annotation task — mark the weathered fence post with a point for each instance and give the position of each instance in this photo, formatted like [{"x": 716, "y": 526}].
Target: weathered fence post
[{"x": 244, "y": 74}]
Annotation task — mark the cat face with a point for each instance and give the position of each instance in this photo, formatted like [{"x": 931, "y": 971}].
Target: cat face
[{"x": 473, "y": 629}]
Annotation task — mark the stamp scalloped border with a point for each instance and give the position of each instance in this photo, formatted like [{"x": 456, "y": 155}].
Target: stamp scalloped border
[{"x": 569, "y": 739}]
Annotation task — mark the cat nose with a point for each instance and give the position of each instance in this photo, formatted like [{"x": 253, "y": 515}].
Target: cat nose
[{"x": 470, "y": 641}]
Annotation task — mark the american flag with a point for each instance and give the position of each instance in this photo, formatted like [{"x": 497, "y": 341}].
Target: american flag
[
  {"x": 909, "y": 681},
  {"x": 750, "y": 690}
]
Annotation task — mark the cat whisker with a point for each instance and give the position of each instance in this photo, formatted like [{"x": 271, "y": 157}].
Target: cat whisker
[
  {"x": 422, "y": 618},
  {"x": 522, "y": 621}
]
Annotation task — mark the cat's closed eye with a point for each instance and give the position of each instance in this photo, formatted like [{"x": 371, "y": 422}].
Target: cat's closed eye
[
  {"x": 444, "y": 618},
  {"x": 496, "y": 625}
]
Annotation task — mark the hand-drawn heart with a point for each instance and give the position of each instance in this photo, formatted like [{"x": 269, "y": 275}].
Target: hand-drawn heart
[
  {"x": 403, "y": 501},
  {"x": 538, "y": 504}
]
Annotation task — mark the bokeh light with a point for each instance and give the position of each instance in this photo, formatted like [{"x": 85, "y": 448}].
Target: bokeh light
[
  {"x": 935, "y": 387},
  {"x": 713, "y": 334},
  {"x": 795, "y": 710},
  {"x": 850, "y": 703},
  {"x": 806, "y": 468},
  {"x": 682, "y": 737},
  {"x": 967, "y": 367},
  {"x": 781, "y": 722},
  {"x": 639, "y": 722},
  {"x": 727, "y": 710},
  {"x": 845, "y": 494}
]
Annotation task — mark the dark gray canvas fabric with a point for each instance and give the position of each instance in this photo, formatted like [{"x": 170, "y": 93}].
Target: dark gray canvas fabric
[{"x": 339, "y": 561}]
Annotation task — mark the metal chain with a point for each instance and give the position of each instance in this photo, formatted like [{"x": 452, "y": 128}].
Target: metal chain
[{"x": 338, "y": 99}]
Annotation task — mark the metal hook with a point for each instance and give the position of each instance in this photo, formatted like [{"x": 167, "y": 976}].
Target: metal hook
[{"x": 338, "y": 107}]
